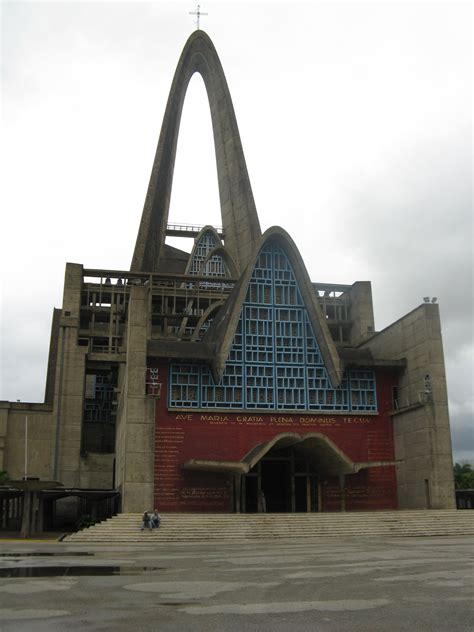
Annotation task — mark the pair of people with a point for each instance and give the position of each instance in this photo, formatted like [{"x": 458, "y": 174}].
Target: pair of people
[{"x": 151, "y": 521}]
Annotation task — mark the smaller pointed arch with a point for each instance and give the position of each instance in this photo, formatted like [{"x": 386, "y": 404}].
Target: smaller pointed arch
[
  {"x": 205, "y": 318},
  {"x": 205, "y": 241},
  {"x": 221, "y": 251}
]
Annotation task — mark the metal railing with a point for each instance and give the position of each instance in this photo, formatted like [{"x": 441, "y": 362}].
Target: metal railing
[{"x": 190, "y": 228}]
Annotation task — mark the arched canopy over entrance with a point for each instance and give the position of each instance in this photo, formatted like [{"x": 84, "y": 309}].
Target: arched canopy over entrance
[
  {"x": 283, "y": 474},
  {"x": 326, "y": 457}
]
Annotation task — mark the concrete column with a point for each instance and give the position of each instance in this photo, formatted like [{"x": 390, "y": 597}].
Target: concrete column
[
  {"x": 292, "y": 483},
  {"x": 362, "y": 311},
  {"x": 26, "y": 516},
  {"x": 135, "y": 434},
  {"x": 342, "y": 488},
  {"x": 68, "y": 401},
  {"x": 237, "y": 492},
  {"x": 40, "y": 515},
  {"x": 243, "y": 492}
]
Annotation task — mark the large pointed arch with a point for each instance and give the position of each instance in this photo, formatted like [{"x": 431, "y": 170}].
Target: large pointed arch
[
  {"x": 228, "y": 318},
  {"x": 239, "y": 216}
]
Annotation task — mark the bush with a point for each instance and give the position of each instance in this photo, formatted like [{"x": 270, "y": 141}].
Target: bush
[
  {"x": 463, "y": 475},
  {"x": 85, "y": 522}
]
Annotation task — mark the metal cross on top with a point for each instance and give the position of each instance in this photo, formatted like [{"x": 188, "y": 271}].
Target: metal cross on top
[{"x": 198, "y": 13}]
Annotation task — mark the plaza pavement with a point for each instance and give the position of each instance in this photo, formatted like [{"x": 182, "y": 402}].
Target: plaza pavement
[{"x": 331, "y": 585}]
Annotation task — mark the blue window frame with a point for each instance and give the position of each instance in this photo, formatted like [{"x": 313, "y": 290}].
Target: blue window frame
[
  {"x": 275, "y": 362},
  {"x": 216, "y": 266}
]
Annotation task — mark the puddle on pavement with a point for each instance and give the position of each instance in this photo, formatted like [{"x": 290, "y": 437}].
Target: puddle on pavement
[
  {"x": 76, "y": 571},
  {"x": 43, "y": 554}
]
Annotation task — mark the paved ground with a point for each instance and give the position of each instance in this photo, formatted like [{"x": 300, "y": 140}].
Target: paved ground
[{"x": 420, "y": 584}]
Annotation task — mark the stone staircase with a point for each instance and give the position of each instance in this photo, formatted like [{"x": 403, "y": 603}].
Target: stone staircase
[{"x": 198, "y": 528}]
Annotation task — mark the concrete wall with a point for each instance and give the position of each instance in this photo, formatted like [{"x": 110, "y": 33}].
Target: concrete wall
[
  {"x": 362, "y": 312},
  {"x": 421, "y": 424},
  {"x": 73, "y": 469},
  {"x": 120, "y": 432},
  {"x": 135, "y": 418},
  {"x": 52, "y": 357},
  {"x": 97, "y": 471},
  {"x": 69, "y": 385},
  {"x": 12, "y": 439}
]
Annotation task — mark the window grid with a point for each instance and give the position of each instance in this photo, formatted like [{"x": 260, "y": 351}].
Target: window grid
[
  {"x": 275, "y": 362},
  {"x": 204, "y": 246},
  {"x": 258, "y": 340},
  {"x": 227, "y": 393},
  {"x": 261, "y": 282},
  {"x": 236, "y": 350},
  {"x": 290, "y": 387},
  {"x": 313, "y": 354},
  {"x": 289, "y": 336},
  {"x": 184, "y": 385},
  {"x": 98, "y": 403},
  {"x": 286, "y": 289},
  {"x": 215, "y": 266},
  {"x": 259, "y": 386},
  {"x": 321, "y": 395},
  {"x": 362, "y": 389}
]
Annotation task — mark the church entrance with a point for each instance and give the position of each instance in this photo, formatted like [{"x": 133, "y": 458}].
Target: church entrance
[{"x": 283, "y": 481}]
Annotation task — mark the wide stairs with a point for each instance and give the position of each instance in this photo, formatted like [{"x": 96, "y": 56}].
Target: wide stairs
[{"x": 195, "y": 528}]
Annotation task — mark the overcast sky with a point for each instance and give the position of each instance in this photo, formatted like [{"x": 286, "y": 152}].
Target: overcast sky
[{"x": 355, "y": 120}]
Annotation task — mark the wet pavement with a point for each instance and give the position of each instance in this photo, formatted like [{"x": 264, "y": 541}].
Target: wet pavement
[{"x": 356, "y": 585}]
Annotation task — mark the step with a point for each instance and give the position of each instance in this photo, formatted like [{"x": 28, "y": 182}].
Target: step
[{"x": 233, "y": 527}]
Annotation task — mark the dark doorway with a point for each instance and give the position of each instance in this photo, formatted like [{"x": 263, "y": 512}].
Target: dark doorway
[
  {"x": 250, "y": 491},
  {"x": 306, "y": 492},
  {"x": 276, "y": 485},
  {"x": 314, "y": 493},
  {"x": 288, "y": 480},
  {"x": 301, "y": 494}
]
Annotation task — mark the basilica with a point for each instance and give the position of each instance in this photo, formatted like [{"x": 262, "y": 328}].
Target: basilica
[{"x": 226, "y": 379}]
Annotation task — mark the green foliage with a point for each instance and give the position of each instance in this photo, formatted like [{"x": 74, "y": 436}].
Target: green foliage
[
  {"x": 463, "y": 475},
  {"x": 84, "y": 522},
  {"x": 4, "y": 475}
]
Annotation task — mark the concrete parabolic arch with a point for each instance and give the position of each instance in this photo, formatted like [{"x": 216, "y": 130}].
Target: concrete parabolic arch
[{"x": 239, "y": 215}]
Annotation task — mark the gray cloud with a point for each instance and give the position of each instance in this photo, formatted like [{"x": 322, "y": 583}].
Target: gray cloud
[
  {"x": 463, "y": 437},
  {"x": 411, "y": 224}
]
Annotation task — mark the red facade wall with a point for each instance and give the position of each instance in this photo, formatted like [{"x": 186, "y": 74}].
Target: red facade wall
[{"x": 228, "y": 436}]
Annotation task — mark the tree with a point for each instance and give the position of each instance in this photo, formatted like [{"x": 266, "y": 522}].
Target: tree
[
  {"x": 3, "y": 475},
  {"x": 463, "y": 475}
]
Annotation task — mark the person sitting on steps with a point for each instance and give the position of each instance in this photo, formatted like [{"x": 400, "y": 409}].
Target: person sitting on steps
[
  {"x": 146, "y": 521},
  {"x": 155, "y": 519}
]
